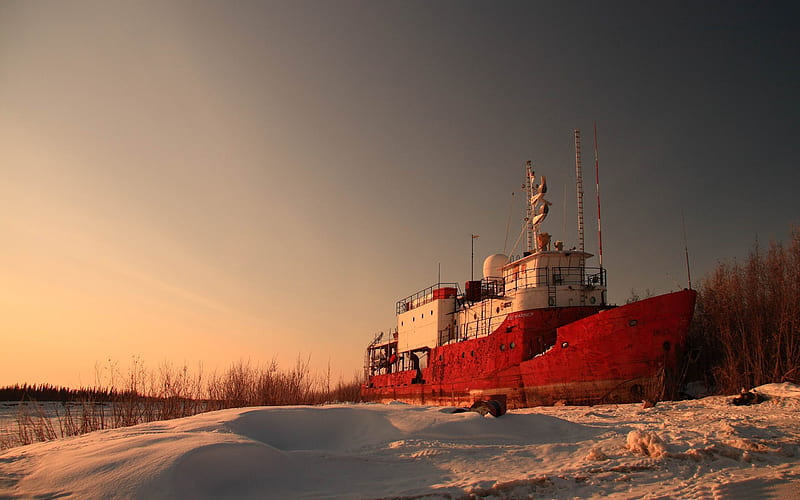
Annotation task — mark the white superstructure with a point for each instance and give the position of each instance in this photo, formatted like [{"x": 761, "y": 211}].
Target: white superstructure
[{"x": 542, "y": 278}]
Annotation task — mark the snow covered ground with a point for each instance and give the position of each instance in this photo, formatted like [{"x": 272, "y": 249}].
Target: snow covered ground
[{"x": 704, "y": 448}]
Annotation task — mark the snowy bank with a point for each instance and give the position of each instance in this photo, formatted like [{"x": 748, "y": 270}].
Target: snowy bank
[{"x": 676, "y": 450}]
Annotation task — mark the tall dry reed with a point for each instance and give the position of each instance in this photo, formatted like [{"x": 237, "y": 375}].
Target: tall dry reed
[
  {"x": 747, "y": 323},
  {"x": 146, "y": 395}
]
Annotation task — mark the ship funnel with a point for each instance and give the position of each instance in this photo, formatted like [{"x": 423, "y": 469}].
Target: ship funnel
[{"x": 493, "y": 266}]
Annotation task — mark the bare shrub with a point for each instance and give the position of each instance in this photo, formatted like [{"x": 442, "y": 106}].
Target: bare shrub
[
  {"x": 167, "y": 392},
  {"x": 747, "y": 324}
]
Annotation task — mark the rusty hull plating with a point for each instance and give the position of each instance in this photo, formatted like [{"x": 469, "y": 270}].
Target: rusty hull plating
[{"x": 579, "y": 355}]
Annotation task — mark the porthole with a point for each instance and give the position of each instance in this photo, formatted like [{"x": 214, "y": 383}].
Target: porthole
[
  {"x": 431, "y": 312},
  {"x": 421, "y": 315},
  {"x": 592, "y": 300},
  {"x": 472, "y": 353},
  {"x": 413, "y": 319},
  {"x": 502, "y": 347},
  {"x": 401, "y": 323},
  {"x": 463, "y": 355},
  {"x": 498, "y": 310},
  {"x": 512, "y": 345},
  {"x": 633, "y": 322},
  {"x": 565, "y": 345}
]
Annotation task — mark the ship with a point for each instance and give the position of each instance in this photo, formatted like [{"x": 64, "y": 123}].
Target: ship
[{"x": 535, "y": 330}]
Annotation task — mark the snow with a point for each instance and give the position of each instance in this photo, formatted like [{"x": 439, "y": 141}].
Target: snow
[
  {"x": 784, "y": 390},
  {"x": 685, "y": 449}
]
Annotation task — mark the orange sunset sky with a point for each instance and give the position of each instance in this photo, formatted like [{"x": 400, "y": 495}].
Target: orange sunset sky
[{"x": 207, "y": 182}]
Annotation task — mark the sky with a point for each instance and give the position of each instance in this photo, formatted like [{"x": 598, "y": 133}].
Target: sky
[{"x": 206, "y": 182}]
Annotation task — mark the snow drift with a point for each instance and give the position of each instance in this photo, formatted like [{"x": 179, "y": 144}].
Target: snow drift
[{"x": 677, "y": 449}]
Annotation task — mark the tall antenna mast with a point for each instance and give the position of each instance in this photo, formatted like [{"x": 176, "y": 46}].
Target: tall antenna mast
[
  {"x": 597, "y": 184},
  {"x": 564, "y": 211},
  {"x": 579, "y": 187},
  {"x": 686, "y": 250},
  {"x": 472, "y": 256}
]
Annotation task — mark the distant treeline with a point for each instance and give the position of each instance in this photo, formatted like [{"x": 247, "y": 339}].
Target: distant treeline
[
  {"x": 242, "y": 384},
  {"x": 146, "y": 395},
  {"x": 746, "y": 329},
  {"x": 46, "y": 392}
]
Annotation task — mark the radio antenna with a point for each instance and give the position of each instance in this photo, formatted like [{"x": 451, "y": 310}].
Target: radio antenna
[
  {"x": 564, "y": 212},
  {"x": 597, "y": 184},
  {"x": 579, "y": 188},
  {"x": 508, "y": 222},
  {"x": 528, "y": 186},
  {"x": 686, "y": 251}
]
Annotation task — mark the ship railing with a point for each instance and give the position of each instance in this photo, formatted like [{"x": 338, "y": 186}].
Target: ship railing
[
  {"x": 597, "y": 278},
  {"x": 487, "y": 320},
  {"x": 380, "y": 352},
  {"x": 555, "y": 276},
  {"x": 426, "y": 295},
  {"x": 471, "y": 330},
  {"x": 492, "y": 288},
  {"x": 448, "y": 335}
]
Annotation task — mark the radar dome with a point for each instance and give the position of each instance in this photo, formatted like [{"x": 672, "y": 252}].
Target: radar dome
[{"x": 493, "y": 266}]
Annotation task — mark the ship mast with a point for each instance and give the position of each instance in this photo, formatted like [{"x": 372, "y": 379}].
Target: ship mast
[
  {"x": 536, "y": 211},
  {"x": 579, "y": 187},
  {"x": 529, "y": 206},
  {"x": 597, "y": 186}
]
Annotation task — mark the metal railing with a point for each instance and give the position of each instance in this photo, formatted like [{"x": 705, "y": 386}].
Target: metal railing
[
  {"x": 424, "y": 296},
  {"x": 556, "y": 276}
]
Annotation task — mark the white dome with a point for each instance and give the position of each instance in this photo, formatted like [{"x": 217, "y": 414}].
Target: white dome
[{"x": 493, "y": 266}]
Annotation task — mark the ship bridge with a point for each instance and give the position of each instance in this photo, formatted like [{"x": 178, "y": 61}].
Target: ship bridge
[{"x": 554, "y": 279}]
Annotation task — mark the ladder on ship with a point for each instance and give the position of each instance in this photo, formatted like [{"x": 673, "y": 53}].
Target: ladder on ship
[
  {"x": 579, "y": 188},
  {"x": 367, "y": 357},
  {"x": 551, "y": 295}
]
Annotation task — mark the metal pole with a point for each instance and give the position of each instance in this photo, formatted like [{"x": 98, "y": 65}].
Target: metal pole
[
  {"x": 579, "y": 188},
  {"x": 529, "y": 209},
  {"x": 472, "y": 259},
  {"x": 686, "y": 250},
  {"x": 597, "y": 183}
]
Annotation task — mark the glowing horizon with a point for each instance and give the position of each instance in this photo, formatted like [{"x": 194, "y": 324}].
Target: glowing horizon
[{"x": 201, "y": 183}]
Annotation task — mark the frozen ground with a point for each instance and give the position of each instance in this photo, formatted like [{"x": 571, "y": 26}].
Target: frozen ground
[{"x": 705, "y": 448}]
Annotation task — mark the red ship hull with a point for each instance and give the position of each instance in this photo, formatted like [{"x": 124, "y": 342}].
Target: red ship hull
[{"x": 558, "y": 355}]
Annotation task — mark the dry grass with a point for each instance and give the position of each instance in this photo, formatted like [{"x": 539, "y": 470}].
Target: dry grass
[
  {"x": 144, "y": 395},
  {"x": 747, "y": 325}
]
